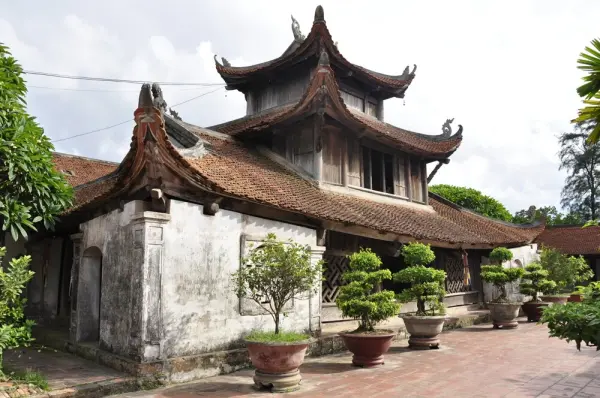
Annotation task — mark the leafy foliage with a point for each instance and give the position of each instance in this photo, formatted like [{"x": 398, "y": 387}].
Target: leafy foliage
[
  {"x": 589, "y": 61},
  {"x": 534, "y": 281},
  {"x": 500, "y": 255},
  {"x": 281, "y": 337},
  {"x": 472, "y": 199},
  {"x": 566, "y": 271},
  {"x": 550, "y": 214},
  {"x": 359, "y": 298},
  {"x": 32, "y": 190},
  {"x": 15, "y": 330},
  {"x": 276, "y": 272},
  {"x": 500, "y": 277},
  {"x": 581, "y": 160},
  {"x": 578, "y": 322},
  {"x": 426, "y": 284}
]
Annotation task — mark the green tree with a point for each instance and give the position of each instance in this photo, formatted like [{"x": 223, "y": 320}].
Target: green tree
[
  {"x": 589, "y": 61},
  {"x": 566, "y": 271},
  {"x": 32, "y": 190},
  {"x": 472, "y": 199},
  {"x": 581, "y": 193},
  {"x": 549, "y": 213},
  {"x": 274, "y": 273}
]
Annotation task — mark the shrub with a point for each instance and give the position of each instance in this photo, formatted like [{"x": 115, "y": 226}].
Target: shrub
[
  {"x": 566, "y": 271},
  {"x": 500, "y": 255},
  {"x": 500, "y": 277},
  {"x": 534, "y": 282},
  {"x": 578, "y": 322},
  {"x": 359, "y": 299},
  {"x": 276, "y": 272},
  {"x": 15, "y": 330},
  {"x": 426, "y": 284}
]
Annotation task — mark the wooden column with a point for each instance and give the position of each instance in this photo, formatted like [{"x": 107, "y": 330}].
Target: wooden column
[
  {"x": 408, "y": 179},
  {"x": 73, "y": 285},
  {"x": 424, "y": 181},
  {"x": 318, "y": 144}
]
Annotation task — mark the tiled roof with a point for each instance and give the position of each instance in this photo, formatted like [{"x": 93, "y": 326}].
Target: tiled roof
[
  {"x": 80, "y": 170},
  {"x": 572, "y": 239},
  {"x": 323, "y": 84},
  {"x": 243, "y": 173},
  {"x": 317, "y": 40}
]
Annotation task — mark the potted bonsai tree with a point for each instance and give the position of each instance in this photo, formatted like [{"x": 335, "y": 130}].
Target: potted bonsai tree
[
  {"x": 566, "y": 271},
  {"x": 427, "y": 289},
  {"x": 272, "y": 275},
  {"x": 533, "y": 283},
  {"x": 361, "y": 299},
  {"x": 504, "y": 312}
]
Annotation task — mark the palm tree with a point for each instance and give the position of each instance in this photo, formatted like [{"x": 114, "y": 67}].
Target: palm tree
[{"x": 589, "y": 61}]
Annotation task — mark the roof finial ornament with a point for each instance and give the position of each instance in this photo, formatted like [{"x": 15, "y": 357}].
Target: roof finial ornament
[
  {"x": 174, "y": 114},
  {"x": 159, "y": 102},
  {"x": 446, "y": 128},
  {"x": 531, "y": 213},
  {"x": 225, "y": 62},
  {"x": 145, "y": 99},
  {"x": 324, "y": 58},
  {"x": 407, "y": 74},
  {"x": 298, "y": 36},
  {"x": 319, "y": 15}
]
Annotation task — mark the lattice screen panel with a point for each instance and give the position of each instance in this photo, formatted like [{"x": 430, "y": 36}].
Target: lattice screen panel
[
  {"x": 334, "y": 267},
  {"x": 455, "y": 276}
]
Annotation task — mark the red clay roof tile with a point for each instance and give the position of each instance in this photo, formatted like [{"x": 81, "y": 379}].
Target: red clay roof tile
[{"x": 572, "y": 239}]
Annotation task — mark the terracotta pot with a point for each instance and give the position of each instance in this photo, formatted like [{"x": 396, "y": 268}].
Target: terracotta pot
[
  {"x": 555, "y": 299},
  {"x": 277, "y": 364},
  {"x": 534, "y": 310},
  {"x": 424, "y": 330},
  {"x": 575, "y": 298},
  {"x": 504, "y": 315},
  {"x": 368, "y": 349}
]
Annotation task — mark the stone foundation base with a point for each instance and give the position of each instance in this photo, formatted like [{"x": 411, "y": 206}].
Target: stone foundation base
[{"x": 283, "y": 382}]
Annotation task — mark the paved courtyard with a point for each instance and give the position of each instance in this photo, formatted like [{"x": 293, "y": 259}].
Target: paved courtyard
[{"x": 474, "y": 362}]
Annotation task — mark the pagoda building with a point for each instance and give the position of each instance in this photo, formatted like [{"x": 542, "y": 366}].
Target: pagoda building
[{"x": 137, "y": 272}]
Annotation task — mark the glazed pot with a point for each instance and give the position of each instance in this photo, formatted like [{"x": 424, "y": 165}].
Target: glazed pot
[
  {"x": 575, "y": 298},
  {"x": 424, "y": 330},
  {"x": 555, "y": 299},
  {"x": 368, "y": 348},
  {"x": 534, "y": 310},
  {"x": 277, "y": 364},
  {"x": 504, "y": 315}
]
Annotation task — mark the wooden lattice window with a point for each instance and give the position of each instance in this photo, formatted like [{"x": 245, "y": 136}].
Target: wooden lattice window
[
  {"x": 455, "y": 277},
  {"x": 332, "y": 276}
]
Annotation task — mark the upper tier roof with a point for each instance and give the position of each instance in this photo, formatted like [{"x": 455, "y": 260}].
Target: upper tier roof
[
  {"x": 301, "y": 49},
  {"x": 323, "y": 93}
]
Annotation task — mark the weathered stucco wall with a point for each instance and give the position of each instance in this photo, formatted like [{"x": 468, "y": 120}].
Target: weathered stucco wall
[
  {"x": 200, "y": 312},
  {"x": 112, "y": 234},
  {"x": 521, "y": 257}
]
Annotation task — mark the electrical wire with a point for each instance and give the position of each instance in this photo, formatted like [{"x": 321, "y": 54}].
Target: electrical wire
[
  {"x": 129, "y": 120},
  {"x": 106, "y": 79},
  {"x": 107, "y": 91}
]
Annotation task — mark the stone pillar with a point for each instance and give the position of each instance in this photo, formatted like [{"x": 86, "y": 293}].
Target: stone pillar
[
  {"x": 314, "y": 299},
  {"x": 76, "y": 239},
  {"x": 146, "y": 286}
]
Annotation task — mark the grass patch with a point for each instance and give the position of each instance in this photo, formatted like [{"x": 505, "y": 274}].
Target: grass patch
[
  {"x": 28, "y": 377},
  {"x": 282, "y": 337}
]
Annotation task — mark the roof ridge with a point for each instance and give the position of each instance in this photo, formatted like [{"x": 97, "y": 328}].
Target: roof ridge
[{"x": 110, "y": 162}]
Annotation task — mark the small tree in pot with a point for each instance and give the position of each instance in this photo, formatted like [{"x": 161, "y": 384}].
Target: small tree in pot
[
  {"x": 361, "y": 300},
  {"x": 503, "y": 311},
  {"x": 427, "y": 289},
  {"x": 533, "y": 283},
  {"x": 272, "y": 275}
]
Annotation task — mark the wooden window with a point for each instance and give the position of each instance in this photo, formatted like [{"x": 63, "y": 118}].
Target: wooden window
[
  {"x": 400, "y": 176},
  {"x": 333, "y": 156},
  {"x": 416, "y": 180},
  {"x": 352, "y": 101},
  {"x": 371, "y": 109},
  {"x": 378, "y": 170}
]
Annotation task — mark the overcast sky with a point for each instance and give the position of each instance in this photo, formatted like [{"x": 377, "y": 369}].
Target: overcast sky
[{"x": 506, "y": 71}]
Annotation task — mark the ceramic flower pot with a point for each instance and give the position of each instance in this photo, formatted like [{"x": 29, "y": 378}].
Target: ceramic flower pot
[
  {"x": 424, "y": 330},
  {"x": 504, "y": 315},
  {"x": 368, "y": 348},
  {"x": 277, "y": 364},
  {"x": 555, "y": 299},
  {"x": 534, "y": 309}
]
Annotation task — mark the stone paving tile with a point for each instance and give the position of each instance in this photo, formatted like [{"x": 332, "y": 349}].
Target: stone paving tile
[
  {"x": 473, "y": 362},
  {"x": 62, "y": 370}
]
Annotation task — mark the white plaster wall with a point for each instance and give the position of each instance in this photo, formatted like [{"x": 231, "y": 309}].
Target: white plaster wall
[
  {"x": 521, "y": 257},
  {"x": 111, "y": 233},
  {"x": 200, "y": 311}
]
